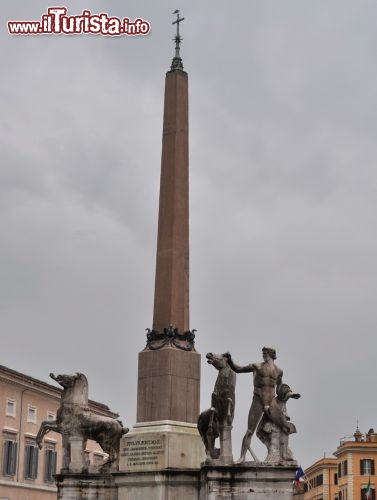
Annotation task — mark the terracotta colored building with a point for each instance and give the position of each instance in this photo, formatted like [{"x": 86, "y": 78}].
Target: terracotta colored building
[
  {"x": 322, "y": 480},
  {"x": 347, "y": 476},
  {"x": 26, "y": 473}
]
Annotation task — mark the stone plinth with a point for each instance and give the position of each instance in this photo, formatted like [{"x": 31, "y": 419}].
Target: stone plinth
[
  {"x": 155, "y": 446},
  {"x": 170, "y": 484},
  {"x": 160, "y": 461},
  {"x": 211, "y": 482},
  {"x": 226, "y": 455},
  {"x": 249, "y": 481},
  {"x": 77, "y": 462},
  {"x": 168, "y": 385},
  {"x": 86, "y": 487}
]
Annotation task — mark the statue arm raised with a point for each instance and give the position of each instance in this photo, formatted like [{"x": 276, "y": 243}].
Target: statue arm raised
[{"x": 237, "y": 368}]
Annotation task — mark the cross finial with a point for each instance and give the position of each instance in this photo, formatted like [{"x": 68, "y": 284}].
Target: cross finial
[{"x": 177, "y": 60}]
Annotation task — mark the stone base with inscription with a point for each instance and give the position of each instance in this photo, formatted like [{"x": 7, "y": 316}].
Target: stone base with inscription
[
  {"x": 154, "y": 446},
  {"x": 160, "y": 461},
  {"x": 249, "y": 481}
]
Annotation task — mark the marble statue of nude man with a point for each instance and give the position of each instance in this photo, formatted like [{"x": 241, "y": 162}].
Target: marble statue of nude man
[{"x": 267, "y": 380}]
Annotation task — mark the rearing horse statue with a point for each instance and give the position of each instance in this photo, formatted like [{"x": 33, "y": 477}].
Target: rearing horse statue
[
  {"x": 216, "y": 422},
  {"x": 76, "y": 423}
]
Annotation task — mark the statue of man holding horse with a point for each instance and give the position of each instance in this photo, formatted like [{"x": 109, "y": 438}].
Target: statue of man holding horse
[{"x": 268, "y": 379}]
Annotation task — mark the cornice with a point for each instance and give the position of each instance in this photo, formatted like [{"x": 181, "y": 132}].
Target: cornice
[
  {"x": 352, "y": 447},
  {"x": 15, "y": 378}
]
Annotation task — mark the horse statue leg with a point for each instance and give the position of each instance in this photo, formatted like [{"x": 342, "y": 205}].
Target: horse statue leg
[
  {"x": 46, "y": 426},
  {"x": 112, "y": 456},
  {"x": 110, "y": 444}
]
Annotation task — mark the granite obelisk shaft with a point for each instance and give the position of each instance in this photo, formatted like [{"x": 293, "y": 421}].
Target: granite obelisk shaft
[
  {"x": 171, "y": 298},
  {"x": 169, "y": 376}
]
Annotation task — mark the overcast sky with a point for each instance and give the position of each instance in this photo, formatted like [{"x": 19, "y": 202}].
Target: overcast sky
[{"x": 283, "y": 126}]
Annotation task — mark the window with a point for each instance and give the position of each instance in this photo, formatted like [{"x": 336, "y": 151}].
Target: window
[
  {"x": 31, "y": 460},
  {"x": 11, "y": 408},
  {"x": 342, "y": 468},
  {"x": 51, "y": 416},
  {"x": 32, "y": 414},
  {"x": 50, "y": 465},
  {"x": 9, "y": 457},
  {"x": 345, "y": 468},
  {"x": 343, "y": 494},
  {"x": 367, "y": 467},
  {"x": 363, "y": 495},
  {"x": 335, "y": 478},
  {"x": 316, "y": 481}
]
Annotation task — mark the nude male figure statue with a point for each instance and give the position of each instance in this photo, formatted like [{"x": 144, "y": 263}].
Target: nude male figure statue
[{"x": 267, "y": 380}]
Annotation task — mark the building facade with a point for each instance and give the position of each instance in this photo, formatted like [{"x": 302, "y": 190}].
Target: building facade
[
  {"x": 321, "y": 480},
  {"x": 27, "y": 473},
  {"x": 349, "y": 476}
]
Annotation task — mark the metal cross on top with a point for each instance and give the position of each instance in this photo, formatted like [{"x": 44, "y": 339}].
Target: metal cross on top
[{"x": 177, "y": 61}]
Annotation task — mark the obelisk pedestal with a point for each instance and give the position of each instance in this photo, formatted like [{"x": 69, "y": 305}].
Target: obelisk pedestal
[{"x": 168, "y": 385}]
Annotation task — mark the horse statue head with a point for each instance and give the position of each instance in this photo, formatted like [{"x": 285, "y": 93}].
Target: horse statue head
[
  {"x": 219, "y": 361},
  {"x": 75, "y": 388}
]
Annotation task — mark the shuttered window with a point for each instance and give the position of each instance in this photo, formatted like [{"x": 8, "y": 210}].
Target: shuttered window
[
  {"x": 50, "y": 465},
  {"x": 345, "y": 466},
  {"x": 10, "y": 457},
  {"x": 31, "y": 461},
  {"x": 367, "y": 467}
]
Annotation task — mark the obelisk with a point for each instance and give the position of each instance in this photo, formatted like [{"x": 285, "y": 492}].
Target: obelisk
[
  {"x": 169, "y": 366},
  {"x": 165, "y": 438}
]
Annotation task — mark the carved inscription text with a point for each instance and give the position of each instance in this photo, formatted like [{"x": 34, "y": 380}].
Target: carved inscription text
[{"x": 141, "y": 453}]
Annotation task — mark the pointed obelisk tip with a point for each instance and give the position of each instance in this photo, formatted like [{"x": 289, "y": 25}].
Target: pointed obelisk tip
[{"x": 176, "y": 63}]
